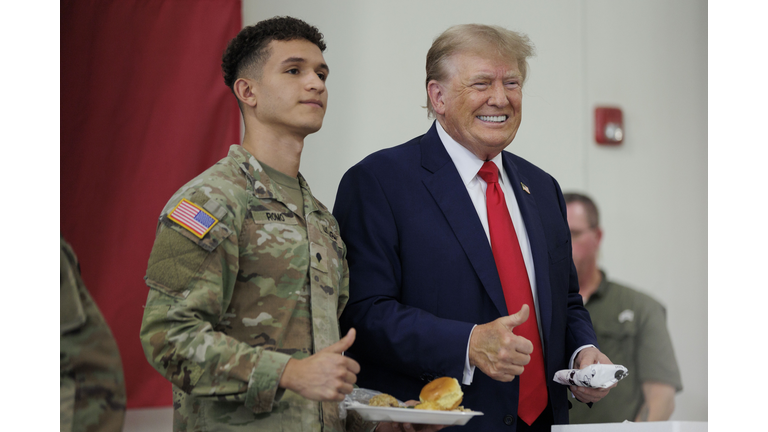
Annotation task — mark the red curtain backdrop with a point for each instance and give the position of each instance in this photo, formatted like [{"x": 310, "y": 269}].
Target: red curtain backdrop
[{"x": 144, "y": 109}]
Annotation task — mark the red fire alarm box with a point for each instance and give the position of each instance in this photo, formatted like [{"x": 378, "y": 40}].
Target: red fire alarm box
[{"x": 609, "y": 125}]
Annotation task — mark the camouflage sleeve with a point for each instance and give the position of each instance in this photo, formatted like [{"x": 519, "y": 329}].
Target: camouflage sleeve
[
  {"x": 72, "y": 316},
  {"x": 92, "y": 386},
  {"x": 191, "y": 282}
]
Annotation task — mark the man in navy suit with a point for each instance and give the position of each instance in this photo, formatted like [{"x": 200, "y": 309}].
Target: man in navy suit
[{"x": 429, "y": 291}]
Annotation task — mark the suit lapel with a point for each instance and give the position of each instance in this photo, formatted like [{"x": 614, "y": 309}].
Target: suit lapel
[
  {"x": 535, "y": 230},
  {"x": 451, "y": 197}
]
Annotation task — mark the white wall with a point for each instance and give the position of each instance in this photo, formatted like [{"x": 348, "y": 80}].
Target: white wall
[
  {"x": 651, "y": 58},
  {"x": 648, "y": 57}
]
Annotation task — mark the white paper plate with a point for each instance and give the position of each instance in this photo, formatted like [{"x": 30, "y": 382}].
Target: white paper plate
[{"x": 410, "y": 415}]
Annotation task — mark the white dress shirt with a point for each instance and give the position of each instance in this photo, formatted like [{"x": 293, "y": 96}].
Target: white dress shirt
[{"x": 468, "y": 165}]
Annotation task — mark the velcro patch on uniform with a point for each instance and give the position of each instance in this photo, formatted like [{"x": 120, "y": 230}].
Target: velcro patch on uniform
[{"x": 192, "y": 217}]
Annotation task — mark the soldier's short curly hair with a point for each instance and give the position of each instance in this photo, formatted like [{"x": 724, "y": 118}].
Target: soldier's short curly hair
[{"x": 246, "y": 53}]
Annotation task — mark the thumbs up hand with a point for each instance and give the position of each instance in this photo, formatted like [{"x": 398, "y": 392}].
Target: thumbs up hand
[
  {"x": 497, "y": 350},
  {"x": 324, "y": 376}
]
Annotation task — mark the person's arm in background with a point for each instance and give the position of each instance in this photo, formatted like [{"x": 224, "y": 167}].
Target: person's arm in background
[
  {"x": 659, "y": 402},
  {"x": 657, "y": 365},
  {"x": 92, "y": 386}
]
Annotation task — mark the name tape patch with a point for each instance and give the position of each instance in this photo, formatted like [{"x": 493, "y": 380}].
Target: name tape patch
[{"x": 193, "y": 218}]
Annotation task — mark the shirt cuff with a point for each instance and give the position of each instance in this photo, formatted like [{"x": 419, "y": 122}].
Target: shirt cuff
[
  {"x": 575, "y": 353},
  {"x": 469, "y": 371}
]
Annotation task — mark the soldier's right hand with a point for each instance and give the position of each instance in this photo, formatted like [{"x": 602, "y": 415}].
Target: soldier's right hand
[
  {"x": 324, "y": 376},
  {"x": 497, "y": 351}
]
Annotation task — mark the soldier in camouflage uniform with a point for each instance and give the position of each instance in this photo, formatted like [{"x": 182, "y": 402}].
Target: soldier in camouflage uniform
[
  {"x": 91, "y": 386},
  {"x": 248, "y": 274}
]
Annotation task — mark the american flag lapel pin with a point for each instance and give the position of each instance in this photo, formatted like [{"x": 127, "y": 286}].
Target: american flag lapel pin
[{"x": 525, "y": 188}]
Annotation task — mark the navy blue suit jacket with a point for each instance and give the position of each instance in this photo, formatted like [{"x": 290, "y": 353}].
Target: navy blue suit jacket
[{"x": 422, "y": 274}]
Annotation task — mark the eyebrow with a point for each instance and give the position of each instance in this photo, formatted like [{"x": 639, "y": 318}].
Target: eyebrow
[
  {"x": 302, "y": 60},
  {"x": 484, "y": 75}
]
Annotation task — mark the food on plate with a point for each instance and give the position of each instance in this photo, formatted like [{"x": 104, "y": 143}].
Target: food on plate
[
  {"x": 429, "y": 405},
  {"x": 383, "y": 400},
  {"x": 442, "y": 394}
]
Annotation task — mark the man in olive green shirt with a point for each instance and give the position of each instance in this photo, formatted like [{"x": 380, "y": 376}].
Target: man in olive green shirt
[{"x": 631, "y": 329}]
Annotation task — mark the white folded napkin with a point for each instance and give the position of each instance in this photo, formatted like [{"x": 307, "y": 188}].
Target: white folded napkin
[{"x": 595, "y": 376}]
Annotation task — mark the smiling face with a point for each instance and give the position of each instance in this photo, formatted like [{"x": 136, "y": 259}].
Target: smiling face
[
  {"x": 480, "y": 105},
  {"x": 291, "y": 97}
]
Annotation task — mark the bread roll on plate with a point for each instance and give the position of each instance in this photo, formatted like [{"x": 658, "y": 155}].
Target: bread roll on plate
[{"x": 443, "y": 394}]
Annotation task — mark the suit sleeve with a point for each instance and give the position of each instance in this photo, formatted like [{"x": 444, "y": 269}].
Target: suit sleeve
[
  {"x": 579, "y": 331},
  {"x": 391, "y": 332}
]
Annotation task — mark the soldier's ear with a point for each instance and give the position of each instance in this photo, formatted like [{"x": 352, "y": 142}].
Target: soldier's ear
[{"x": 245, "y": 91}]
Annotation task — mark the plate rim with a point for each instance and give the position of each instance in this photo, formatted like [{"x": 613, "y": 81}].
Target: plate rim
[
  {"x": 406, "y": 415},
  {"x": 417, "y": 411}
]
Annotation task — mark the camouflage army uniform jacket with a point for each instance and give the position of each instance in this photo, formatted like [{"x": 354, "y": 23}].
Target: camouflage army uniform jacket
[
  {"x": 226, "y": 310},
  {"x": 92, "y": 387}
]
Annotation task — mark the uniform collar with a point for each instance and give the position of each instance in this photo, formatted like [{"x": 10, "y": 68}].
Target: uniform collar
[{"x": 266, "y": 188}]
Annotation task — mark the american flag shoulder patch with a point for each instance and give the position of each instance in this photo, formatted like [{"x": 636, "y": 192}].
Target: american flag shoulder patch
[{"x": 192, "y": 217}]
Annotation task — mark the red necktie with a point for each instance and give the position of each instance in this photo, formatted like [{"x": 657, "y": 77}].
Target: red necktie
[{"x": 517, "y": 291}]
